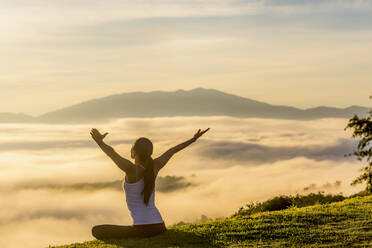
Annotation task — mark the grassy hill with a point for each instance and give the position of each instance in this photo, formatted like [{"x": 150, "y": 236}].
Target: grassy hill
[{"x": 346, "y": 223}]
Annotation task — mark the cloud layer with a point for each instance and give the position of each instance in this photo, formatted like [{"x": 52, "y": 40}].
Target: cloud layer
[
  {"x": 56, "y": 185},
  {"x": 257, "y": 153},
  {"x": 162, "y": 184}
]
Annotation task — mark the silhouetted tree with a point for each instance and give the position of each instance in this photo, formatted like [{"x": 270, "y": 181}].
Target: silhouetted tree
[{"x": 363, "y": 129}]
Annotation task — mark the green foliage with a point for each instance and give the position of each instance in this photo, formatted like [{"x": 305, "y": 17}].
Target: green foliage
[
  {"x": 339, "y": 224},
  {"x": 362, "y": 127},
  {"x": 284, "y": 202},
  {"x": 203, "y": 218}
]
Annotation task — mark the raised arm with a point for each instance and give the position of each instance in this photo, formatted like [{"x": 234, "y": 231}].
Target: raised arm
[
  {"x": 161, "y": 161},
  {"x": 123, "y": 163}
]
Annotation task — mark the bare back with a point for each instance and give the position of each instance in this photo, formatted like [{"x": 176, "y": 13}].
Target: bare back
[{"x": 132, "y": 178}]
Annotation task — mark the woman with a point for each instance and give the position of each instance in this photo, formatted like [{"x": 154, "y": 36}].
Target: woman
[{"x": 139, "y": 184}]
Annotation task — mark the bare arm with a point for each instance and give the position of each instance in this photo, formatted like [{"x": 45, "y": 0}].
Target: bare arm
[
  {"x": 161, "y": 161},
  {"x": 124, "y": 164}
]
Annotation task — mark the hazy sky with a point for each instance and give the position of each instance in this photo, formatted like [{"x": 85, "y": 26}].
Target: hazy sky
[{"x": 302, "y": 53}]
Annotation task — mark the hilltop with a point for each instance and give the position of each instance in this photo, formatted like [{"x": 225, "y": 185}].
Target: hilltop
[
  {"x": 347, "y": 223},
  {"x": 195, "y": 102}
]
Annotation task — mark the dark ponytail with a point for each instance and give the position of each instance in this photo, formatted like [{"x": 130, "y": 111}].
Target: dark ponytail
[
  {"x": 143, "y": 147},
  {"x": 149, "y": 179}
]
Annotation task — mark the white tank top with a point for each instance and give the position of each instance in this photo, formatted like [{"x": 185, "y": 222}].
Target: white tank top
[{"x": 141, "y": 213}]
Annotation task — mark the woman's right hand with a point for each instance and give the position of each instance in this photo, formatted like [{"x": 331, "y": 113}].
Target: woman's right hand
[{"x": 198, "y": 133}]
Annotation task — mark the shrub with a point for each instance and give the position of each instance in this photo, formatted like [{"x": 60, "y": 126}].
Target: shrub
[{"x": 283, "y": 202}]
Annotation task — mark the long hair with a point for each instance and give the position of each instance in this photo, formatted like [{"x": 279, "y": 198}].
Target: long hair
[{"x": 143, "y": 147}]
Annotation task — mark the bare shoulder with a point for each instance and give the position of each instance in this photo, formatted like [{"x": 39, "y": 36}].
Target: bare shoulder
[
  {"x": 130, "y": 168},
  {"x": 156, "y": 164},
  {"x": 163, "y": 159}
]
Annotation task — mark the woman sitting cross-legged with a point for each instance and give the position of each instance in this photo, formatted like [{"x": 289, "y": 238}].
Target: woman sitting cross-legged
[{"x": 139, "y": 187}]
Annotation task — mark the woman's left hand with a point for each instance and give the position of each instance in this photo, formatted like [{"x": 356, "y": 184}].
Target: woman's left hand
[{"x": 96, "y": 135}]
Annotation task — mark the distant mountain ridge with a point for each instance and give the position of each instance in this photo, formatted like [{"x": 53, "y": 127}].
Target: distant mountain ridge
[{"x": 195, "y": 102}]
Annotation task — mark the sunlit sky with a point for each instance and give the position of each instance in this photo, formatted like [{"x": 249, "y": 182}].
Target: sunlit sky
[{"x": 302, "y": 53}]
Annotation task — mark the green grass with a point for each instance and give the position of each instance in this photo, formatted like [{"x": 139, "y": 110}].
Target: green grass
[{"x": 341, "y": 224}]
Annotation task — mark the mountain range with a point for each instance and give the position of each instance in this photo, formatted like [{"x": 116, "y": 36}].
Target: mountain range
[{"x": 195, "y": 102}]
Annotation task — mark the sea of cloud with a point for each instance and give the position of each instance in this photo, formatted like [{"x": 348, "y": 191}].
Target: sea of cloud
[{"x": 55, "y": 183}]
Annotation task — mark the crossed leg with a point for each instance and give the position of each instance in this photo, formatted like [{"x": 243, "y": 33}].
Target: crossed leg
[{"x": 112, "y": 231}]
